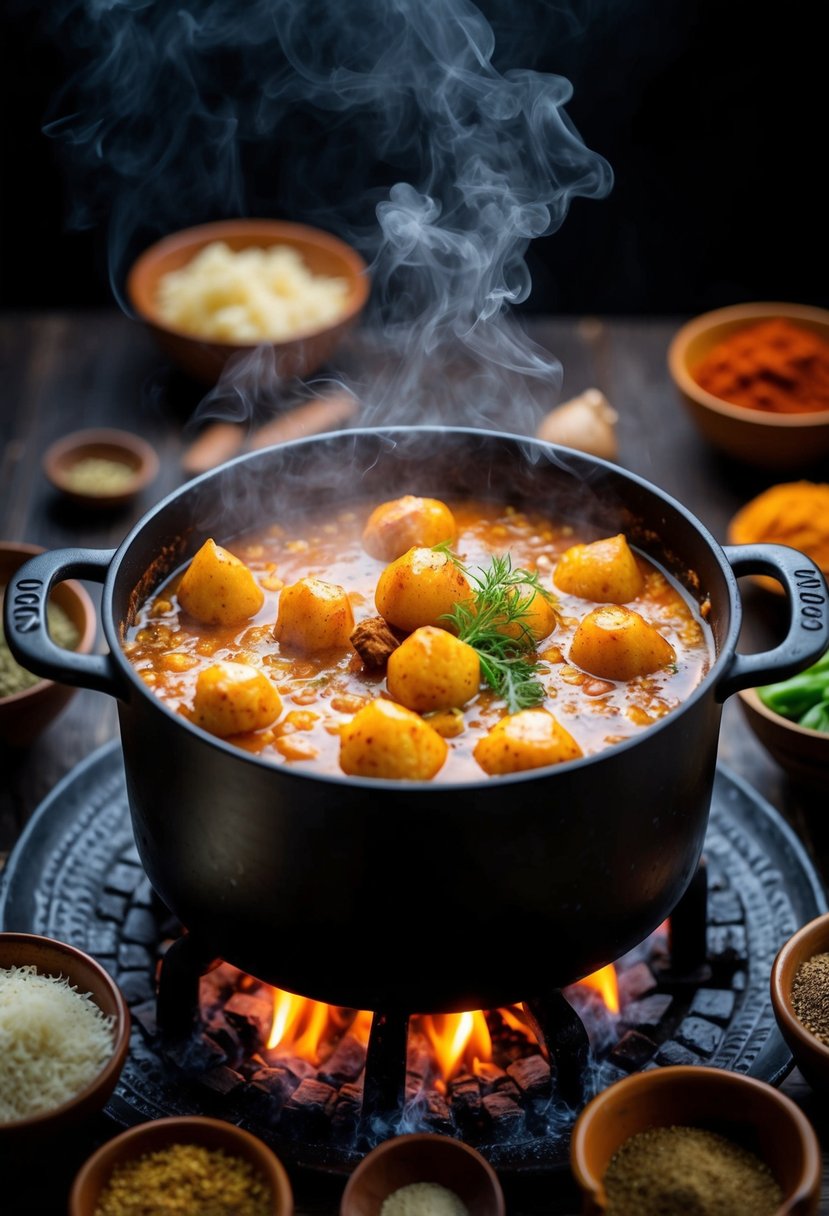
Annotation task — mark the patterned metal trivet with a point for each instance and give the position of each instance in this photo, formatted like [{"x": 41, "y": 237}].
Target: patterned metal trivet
[{"x": 75, "y": 875}]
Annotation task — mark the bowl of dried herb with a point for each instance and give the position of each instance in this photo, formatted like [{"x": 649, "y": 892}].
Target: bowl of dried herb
[
  {"x": 695, "y": 1138},
  {"x": 800, "y": 998},
  {"x": 28, "y": 703},
  {"x": 209, "y": 1165}
]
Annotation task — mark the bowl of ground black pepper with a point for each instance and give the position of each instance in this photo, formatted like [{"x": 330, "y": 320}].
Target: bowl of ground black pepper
[
  {"x": 101, "y": 468},
  {"x": 183, "y": 1164},
  {"x": 692, "y": 1138},
  {"x": 754, "y": 379},
  {"x": 800, "y": 998},
  {"x": 27, "y": 703}
]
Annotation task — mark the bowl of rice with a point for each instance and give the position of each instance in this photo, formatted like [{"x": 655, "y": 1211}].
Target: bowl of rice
[
  {"x": 64, "y": 1031},
  {"x": 224, "y": 289},
  {"x": 28, "y": 703}
]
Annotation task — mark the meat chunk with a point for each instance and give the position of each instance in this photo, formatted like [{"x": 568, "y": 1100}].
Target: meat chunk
[{"x": 374, "y": 641}]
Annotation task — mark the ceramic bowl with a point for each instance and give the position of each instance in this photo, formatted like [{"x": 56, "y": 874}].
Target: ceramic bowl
[
  {"x": 23, "y": 715},
  {"x": 161, "y": 1134},
  {"x": 811, "y": 1056},
  {"x": 423, "y": 1157},
  {"x": 61, "y": 460},
  {"x": 52, "y": 957},
  {"x": 803, "y": 753},
  {"x": 204, "y": 359},
  {"x": 778, "y": 441},
  {"x": 740, "y": 1108}
]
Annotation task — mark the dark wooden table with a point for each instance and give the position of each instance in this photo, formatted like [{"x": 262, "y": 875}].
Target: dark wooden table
[{"x": 62, "y": 372}]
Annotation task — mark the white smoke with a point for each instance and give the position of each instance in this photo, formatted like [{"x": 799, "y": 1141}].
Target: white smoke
[{"x": 180, "y": 114}]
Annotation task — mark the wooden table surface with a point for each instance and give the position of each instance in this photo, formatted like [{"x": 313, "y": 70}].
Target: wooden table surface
[{"x": 62, "y": 372}]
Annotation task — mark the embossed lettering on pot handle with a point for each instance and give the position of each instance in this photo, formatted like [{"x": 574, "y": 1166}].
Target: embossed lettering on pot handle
[
  {"x": 808, "y": 633},
  {"x": 24, "y": 612}
]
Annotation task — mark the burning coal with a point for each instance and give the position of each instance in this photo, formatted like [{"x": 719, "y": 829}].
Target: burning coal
[{"x": 393, "y": 127}]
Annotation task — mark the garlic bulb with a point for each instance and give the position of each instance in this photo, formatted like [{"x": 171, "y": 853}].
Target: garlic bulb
[{"x": 587, "y": 422}]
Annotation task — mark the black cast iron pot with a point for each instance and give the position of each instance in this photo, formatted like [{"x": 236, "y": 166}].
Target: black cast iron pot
[{"x": 414, "y": 895}]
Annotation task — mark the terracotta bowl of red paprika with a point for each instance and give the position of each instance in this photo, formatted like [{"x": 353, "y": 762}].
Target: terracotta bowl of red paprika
[
  {"x": 751, "y": 1114},
  {"x": 753, "y": 379}
]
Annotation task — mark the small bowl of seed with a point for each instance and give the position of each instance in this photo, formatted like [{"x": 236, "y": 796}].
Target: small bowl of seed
[
  {"x": 209, "y": 1164},
  {"x": 800, "y": 998},
  {"x": 695, "y": 1138},
  {"x": 423, "y": 1172},
  {"x": 101, "y": 468},
  {"x": 28, "y": 703}
]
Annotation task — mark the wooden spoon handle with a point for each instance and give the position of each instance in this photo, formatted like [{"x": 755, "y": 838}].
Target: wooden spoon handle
[
  {"x": 217, "y": 442},
  {"x": 310, "y": 418}
]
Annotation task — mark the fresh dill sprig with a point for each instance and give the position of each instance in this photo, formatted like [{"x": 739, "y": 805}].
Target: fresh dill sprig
[{"x": 500, "y": 602}]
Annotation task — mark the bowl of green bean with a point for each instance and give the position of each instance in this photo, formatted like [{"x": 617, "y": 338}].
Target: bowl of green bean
[{"x": 791, "y": 720}]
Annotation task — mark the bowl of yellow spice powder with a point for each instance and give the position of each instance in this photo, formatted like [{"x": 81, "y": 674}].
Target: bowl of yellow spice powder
[
  {"x": 800, "y": 998},
  {"x": 692, "y": 1138},
  {"x": 101, "y": 468},
  {"x": 181, "y": 1166},
  {"x": 28, "y": 703}
]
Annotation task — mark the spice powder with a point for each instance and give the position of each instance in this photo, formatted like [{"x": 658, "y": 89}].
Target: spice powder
[
  {"x": 688, "y": 1171},
  {"x": 182, "y": 1180}
]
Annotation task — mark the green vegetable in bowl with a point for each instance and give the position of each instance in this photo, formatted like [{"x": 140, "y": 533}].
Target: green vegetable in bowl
[{"x": 803, "y": 698}]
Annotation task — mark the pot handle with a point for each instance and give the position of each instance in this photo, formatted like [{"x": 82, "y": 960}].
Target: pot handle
[
  {"x": 27, "y": 634},
  {"x": 808, "y": 634}
]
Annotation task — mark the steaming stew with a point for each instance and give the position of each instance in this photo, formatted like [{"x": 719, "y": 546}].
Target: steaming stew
[{"x": 255, "y": 641}]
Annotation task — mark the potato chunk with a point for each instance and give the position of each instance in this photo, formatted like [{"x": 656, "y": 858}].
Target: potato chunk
[
  {"x": 418, "y": 588},
  {"x": 539, "y": 615},
  {"x": 218, "y": 589},
  {"x": 234, "y": 697},
  {"x": 431, "y": 669},
  {"x": 313, "y": 615},
  {"x": 532, "y": 738},
  {"x": 388, "y": 740},
  {"x": 605, "y": 571},
  {"x": 395, "y": 527},
  {"x": 616, "y": 643}
]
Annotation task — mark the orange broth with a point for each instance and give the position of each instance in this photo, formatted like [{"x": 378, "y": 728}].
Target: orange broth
[{"x": 320, "y": 692}]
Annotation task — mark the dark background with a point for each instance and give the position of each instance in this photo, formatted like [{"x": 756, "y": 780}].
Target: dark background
[{"x": 712, "y": 115}]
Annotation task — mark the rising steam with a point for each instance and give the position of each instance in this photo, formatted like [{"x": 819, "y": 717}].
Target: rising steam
[{"x": 387, "y": 122}]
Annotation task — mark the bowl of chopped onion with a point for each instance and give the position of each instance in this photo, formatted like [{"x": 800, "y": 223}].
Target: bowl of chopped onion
[
  {"x": 65, "y": 1027},
  {"x": 226, "y": 288},
  {"x": 186, "y": 1163}
]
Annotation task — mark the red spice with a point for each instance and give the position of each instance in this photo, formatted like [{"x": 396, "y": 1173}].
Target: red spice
[{"x": 773, "y": 366}]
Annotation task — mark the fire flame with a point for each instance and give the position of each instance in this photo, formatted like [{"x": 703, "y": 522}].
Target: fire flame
[
  {"x": 604, "y": 982},
  {"x": 461, "y": 1042}
]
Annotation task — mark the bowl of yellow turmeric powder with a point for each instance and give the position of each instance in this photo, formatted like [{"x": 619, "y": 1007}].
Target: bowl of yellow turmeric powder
[{"x": 754, "y": 379}]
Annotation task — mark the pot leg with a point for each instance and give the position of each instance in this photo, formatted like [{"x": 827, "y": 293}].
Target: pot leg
[
  {"x": 177, "y": 1002},
  {"x": 563, "y": 1039},
  {"x": 385, "y": 1077}
]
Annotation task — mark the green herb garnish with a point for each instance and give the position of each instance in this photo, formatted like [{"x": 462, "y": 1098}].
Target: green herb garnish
[{"x": 500, "y": 602}]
